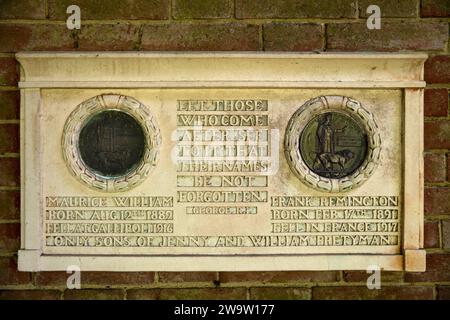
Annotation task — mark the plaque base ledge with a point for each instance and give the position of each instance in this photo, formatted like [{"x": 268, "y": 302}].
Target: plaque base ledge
[{"x": 32, "y": 260}]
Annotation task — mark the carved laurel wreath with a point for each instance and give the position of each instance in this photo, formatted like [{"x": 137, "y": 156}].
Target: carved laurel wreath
[
  {"x": 76, "y": 121},
  {"x": 298, "y": 122}
]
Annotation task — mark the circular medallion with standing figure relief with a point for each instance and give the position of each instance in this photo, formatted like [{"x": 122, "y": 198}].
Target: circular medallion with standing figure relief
[{"x": 332, "y": 143}]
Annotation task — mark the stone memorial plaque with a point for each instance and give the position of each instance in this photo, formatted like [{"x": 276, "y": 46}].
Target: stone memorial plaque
[{"x": 140, "y": 161}]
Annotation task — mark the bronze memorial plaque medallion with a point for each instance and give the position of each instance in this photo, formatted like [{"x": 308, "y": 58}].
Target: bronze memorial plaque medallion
[
  {"x": 112, "y": 143},
  {"x": 333, "y": 144}
]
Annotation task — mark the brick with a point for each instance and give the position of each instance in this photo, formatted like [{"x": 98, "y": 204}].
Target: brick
[
  {"x": 393, "y": 36},
  {"x": 295, "y": 9},
  {"x": 362, "y": 276},
  {"x": 9, "y": 138},
  {"x": 23, "y": 9},
  {"x": 293, "y": 37},
  {"x": 9, "y": 274},
  {"x": 35, "y": 37},
  {"x": 10, "y": 172},
  {"x": 437, "y": 69},
  {"x": 108, "y": 37},
  {"x": 9, "y": 72},
  {"x": 95, "y": 278},
  {"x": 446, "y": 234},
  {"x": 143, "y": 294},
  {"x": 436, "y": 102},
  {"x": 436, "y": 201},
  {"x": 187, "y": 277},
  {"x": 448, "y": 166},
  {"x": 280, "y": 276},
  {"x": 225, "y": 37},
  {"x": 435, "y": 168},
  {"x": 53, "y": 278},
  {"x": 431, "y": 234},
  {"x": 94, "y": 294},
  {"x": 438, "y": 269},
  {"x": 363, "y": 293},
  {"x": 389, "y": 8},
  {"x": 443, "y": 293},
  {"x": 111, "y": 9},
  {"x": 201, "y": 9},
  {"x": 9, "y": 237},
  {"x": 437, "y": 134},
  {"x": 435, "y": 8},
  {"x": 267, "y": 293},
  {"x": 10, "y": 205},
  {"x": 9, "y": 104},
  {"x": 30, "y": 295},
  {"x": 188, "y": 294}
]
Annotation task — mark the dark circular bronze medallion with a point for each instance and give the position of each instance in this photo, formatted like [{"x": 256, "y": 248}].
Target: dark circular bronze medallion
[
  {"x": 111, "y": 143},
  {"x": 333, "y": 145}
]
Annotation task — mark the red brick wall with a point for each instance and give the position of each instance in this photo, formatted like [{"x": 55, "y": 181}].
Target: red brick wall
[{"x": 291, "y": 25}]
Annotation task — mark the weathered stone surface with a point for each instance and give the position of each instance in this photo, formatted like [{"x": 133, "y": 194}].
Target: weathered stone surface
[{"x": 158, "y": 208}]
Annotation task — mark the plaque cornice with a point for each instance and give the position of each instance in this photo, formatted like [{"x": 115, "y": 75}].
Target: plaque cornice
[{"x": 165, "y": 70}]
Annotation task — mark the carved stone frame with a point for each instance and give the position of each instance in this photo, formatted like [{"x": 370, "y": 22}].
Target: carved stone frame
[
  {"x": 77, "y": 120},
  {"x": 42, "y": 71},
  {"x": 309, "y": 110}
]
